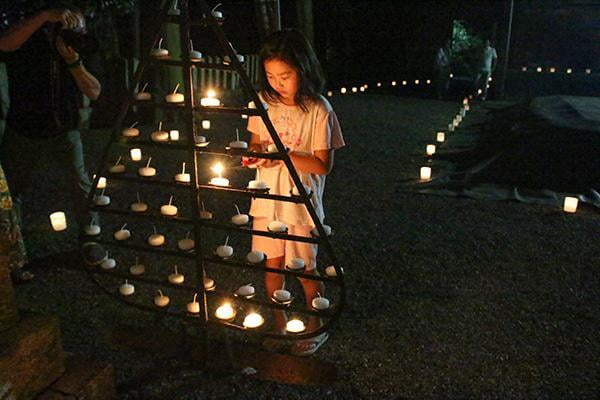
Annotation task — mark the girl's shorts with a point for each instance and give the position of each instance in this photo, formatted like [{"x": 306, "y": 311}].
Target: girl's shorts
[{"x": 274, "y": 248}]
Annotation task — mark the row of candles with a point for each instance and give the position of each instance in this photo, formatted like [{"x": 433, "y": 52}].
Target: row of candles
[
  {"x": 363, "y": 88},
  {"x": 553, "y": 70},
  {"x": 569, "y": 203}
]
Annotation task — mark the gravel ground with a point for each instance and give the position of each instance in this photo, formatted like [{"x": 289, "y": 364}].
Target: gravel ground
[{"x": 448, "y": 297}]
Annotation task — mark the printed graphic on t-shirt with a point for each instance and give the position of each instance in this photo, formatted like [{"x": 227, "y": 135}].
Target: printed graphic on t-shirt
[{"x": 288, "y": 132}]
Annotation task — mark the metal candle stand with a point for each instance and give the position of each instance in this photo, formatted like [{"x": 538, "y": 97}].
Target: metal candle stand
[{"x": 187, "y": 108}]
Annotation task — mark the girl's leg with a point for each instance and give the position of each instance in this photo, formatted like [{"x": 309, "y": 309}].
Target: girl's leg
[
  {"x": 312, "y": 289},
  {"x": 275, "y": 282}
]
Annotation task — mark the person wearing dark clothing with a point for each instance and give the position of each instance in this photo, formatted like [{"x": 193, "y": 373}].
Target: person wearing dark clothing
[{"x": 46, "y": 78}]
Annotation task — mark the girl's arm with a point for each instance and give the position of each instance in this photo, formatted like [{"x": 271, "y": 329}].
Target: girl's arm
[{"x": 320, "y": 163}]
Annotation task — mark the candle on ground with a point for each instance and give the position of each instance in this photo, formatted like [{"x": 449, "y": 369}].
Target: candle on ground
[
  {"x": 425, "y": 173},
  {"x": 58, "y": 219},
  {"x": 430, "y": 149},
  {"x": 441, "y": 137},
  {"x": 570, "y": 204}
]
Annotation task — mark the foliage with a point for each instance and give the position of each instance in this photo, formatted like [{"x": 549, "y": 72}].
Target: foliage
[{"x": 466, "y": 47}]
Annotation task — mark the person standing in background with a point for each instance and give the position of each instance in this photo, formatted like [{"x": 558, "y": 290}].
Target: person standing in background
[
  {"x": 487, "y": 65},
  {"x": 442, "y": 66}
]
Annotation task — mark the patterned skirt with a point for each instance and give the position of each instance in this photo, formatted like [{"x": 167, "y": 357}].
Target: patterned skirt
[{"x": 12, "y": 246}]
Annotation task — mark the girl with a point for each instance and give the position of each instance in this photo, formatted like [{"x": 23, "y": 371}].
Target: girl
[{"x": 291, "y": 81}]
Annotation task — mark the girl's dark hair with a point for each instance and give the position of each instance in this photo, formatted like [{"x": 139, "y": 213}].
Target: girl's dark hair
[{"x": 291, "y": 47}]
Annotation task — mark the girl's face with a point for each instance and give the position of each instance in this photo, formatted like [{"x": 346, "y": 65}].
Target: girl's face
[{"x": 283, "y": 78}]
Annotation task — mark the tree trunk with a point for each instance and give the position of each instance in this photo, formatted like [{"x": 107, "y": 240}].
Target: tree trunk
[{"x": 268, "y": 17}]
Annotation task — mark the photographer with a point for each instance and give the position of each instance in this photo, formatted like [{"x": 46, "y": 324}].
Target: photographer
[{"x": 44, "y": 55}]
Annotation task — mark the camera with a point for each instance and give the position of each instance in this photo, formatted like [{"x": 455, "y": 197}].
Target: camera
[{"x": 80, "y": 42}]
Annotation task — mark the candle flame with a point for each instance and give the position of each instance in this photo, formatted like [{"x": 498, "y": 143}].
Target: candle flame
[
  {"x": 218, "y": 168},
  {"x": 211, "y": 93}
]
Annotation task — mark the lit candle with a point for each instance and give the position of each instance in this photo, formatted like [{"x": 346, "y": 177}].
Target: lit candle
[
  {"x": 295, "y": 326},
  {"x": 416, "y": 82},
  {"x": 451, "y": 76},
  {"x": 205, "y": 124},
  {"x": 225, "y": 312},
  {"x": 362, "y": 88},
  {"x": 126, "y": 289},
  {"x": 430, "y": 149},
  {"x": 253, "y": 320},
  {"x": 569, "y": 70},
  {"x": 404, "y": 83},
  {"x": 169, "y": 209},
  {"x": 570, "y": 204},
  {"x": 343, "y": 90},
  {"x": 552, "y": 69},
  {"x": 161, "y": 300},
  {"x": 58, "y": 220},
  {"x": 588, "y": 71},
  {"x": 210, "y": 100},
  {"x": 101, "y": 182},
  {"x": 354, "y": 89},
  {"x": 425, "y": 173},
  {"x": 219, "y": 181},
  {"x": 393, "y": 83},
  {"x": 330, "y": 271},
  {"x": 194, "y": 306},
  {"x": 428, "y": 81},
  {"x": 378, "y": 84},
  {"x": 176, "y": 278},
  {"x": 175, "y": 97},
  {"x": 441, "y": 137},
  {"x": 147, "y": 170},
  {"x": 524, "y": 69},
  {"x": 183, "y": 177},
  {"x": 174, "y": 134},
  {"x": 329, "y": 93},
  {"x": 136, "y": 154},
  {"x": 539, "y": 69}
]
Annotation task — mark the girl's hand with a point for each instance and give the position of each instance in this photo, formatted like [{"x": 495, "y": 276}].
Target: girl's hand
[{"x": 67, "y": 18}]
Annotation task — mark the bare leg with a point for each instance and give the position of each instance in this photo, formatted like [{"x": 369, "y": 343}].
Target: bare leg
[
  {"x": 275, "y": 282},
  {"x": 312, "y": 289}
]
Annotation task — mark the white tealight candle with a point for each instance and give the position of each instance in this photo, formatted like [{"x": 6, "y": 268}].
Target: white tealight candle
[
  {"x": 174, "y": 134},
  {"x": 183, "y": 178},
  {"x": 205, "y": 124},
  {"x": 239, "y": 218},
  {"x": 253, "y": 320},
  {"x": 224, "y": 251},
  {"x": 147, "y": 171},
  {"x": 425, "y": 173},
  {"x": 131, "y": 131},
  {"x": 256, "y": 184},
  {"x": 430, "y": 149},
  {"x": 136, "y": 154},
  {"x": 238, "y": 144},
  {"x": 176, "y": 278},
  {"x": 277, "y": 226},
  {"x": 175, "y": 97},
  {"x": 159, "y": 135},
  {"x": 138, "y": 206},
  {"x": 295, "y": 326},
  {"x": 156, "y": 239},
  {"x": 246, "y": 290},
  {"x": 441, "y": 137},
  {"x": 569, "y": 70},
  {"x": 282, "y": 295},
  {"x": 161, "y": 300},
  {"x": 92, "y": 229},
  {"x": 194, "y": 306},
  {"x": 126, "y": 289},
  {"x": 137, "y": 268},
  {"x": 225, "y": 312},
  {"x": 102, "y": 199},
  {"x": 58, "y": 220},
  {"x": 320, "y": 303},
  {"x": 296, "y": 264},
  {"x": 209, "y": 284},
  {"x": 570, "y": 204},
  {"x": 159, "y": 51},
  {"x": 108, "y": 263},
  {"x": 255, "y": 257},
  {"x": 117, "y": 168},
  {"x": 206, "y": 215},
  {"x": 145, "y": 96},
  {"x": 169, "y": 209},
  {"x": 186, "y": 244},
  {"x": 122, "y": 234},
  {"x": 210, "y": 102},
  {"x": 219, "y": 181},
  {"x": 326, "y": 228}
]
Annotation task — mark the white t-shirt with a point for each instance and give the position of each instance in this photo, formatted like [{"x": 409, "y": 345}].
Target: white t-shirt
[
  {"x": 299, "y": 131},
  {"x": 489, "y": 54}
]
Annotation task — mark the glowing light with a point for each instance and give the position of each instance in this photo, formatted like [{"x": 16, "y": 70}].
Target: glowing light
[{"x": 343, "y": 90}]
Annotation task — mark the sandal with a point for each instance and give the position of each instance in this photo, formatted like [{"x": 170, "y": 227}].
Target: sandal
[
  {"x": 309, "y": 346},
  {"x": 19, "y": 275}
]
